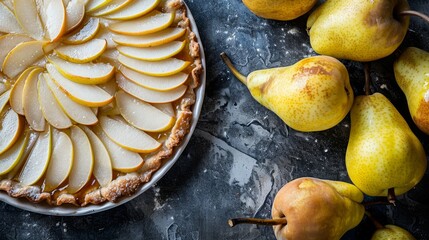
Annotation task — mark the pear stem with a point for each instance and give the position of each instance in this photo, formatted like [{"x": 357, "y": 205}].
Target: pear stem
[
  {"x": 416, "y": 14},
  {"x": 232, "y": 68},
  {"x": 391, "y": 196},
  {"x": 376, "y": 223},
  {"x": 367, "y": 78},
  {"x": 270, "y": 222}
]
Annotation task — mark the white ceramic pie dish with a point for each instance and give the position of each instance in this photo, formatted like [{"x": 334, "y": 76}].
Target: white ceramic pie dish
[{"x": 64, "y": 210}]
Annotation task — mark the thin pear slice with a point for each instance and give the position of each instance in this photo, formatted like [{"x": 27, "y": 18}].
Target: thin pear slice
[
  {"x": 86, "y": 33},
  {"x": 8, "y": 22},
  {"x": 11, "y": 157},
  {"x": 83, "y": 160},
  {"x": 82, "y": 53},
  {"x": 134, "y": 10},
  {"x": 61, "y": 161},
  {"x": 75, "y": 12},
  {"x": 153, "y": 53},
  {"x": 51, "y": 109},
  {"x": 111, "y": 56},
  {"x": 111, "y": 7},
  {"x": 150, "y": 40},
  {"x": 166, "y": 108},
  {"x": 16, "y": 94},
  {"x": 10, "y": 128},
  {"x": 102, "y": 164},
  {"x": 56, "y": 21},
  {"x": 153, "y": 22},
  {"x": 88, "y": 95},
  {"x": 78, "y": 113},
  {"x": 4, "y": 98},
  {"x": 14, "y": 173},
  {"x": 8, "y": 3},
  {"x": 85, "y": 73},
  {"x": 93, "y": 5},
  {"x": 149, "y": 95},
  {"x": 32, "y": 110},
  {"x": 38, "y": 160},
  {"x": 22, "y": 56},
  {"x": 9, "y": 41},
  {"x": 122, "y": 159},
  {"x": 154, "y": 83},
  {"x": 27, "y": 16},
  {"x": 161, "y": 68},
  {"x": 142, "y": 115},
  {"x": 134, "y": 140}
]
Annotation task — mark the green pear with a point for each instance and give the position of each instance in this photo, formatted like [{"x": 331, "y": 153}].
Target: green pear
[
  {"x": 327, "y": 209},
  {"x": 358, "y": 30},
  {"x": 392, "y": 232},
  {"x": 412, "y": 75},
  {"x": 279, "y": 9},
  {"x": 314, "y": 94},
  {"x": 383, "y": 153}
]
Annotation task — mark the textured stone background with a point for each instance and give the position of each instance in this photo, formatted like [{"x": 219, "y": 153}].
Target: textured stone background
[{"x": 240, "y": 153}]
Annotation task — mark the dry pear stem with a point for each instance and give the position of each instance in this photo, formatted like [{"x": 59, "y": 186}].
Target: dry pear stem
[
  {"x": 271, "y": 222},
  {"x": 232, "y": 68},
  {"x": 376, "y": 223},
  {"x": 391, "y": 197},
  {"x": 367, "y": 67},
  {"x": 416, "y": 14}
]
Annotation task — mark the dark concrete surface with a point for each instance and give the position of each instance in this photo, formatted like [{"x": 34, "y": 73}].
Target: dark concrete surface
[{"x": 241, "y": 154}]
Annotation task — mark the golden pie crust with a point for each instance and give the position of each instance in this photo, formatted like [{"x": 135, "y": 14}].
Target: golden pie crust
[{"x": 127, "y": 184}]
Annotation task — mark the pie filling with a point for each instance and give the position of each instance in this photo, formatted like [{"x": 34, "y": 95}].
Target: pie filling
[{"x": 95, "y": 95}]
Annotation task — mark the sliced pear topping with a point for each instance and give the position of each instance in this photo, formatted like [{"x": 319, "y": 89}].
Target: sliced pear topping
[
  {"x": 11, "y": 157},
  {"x": 122, "y": 159},
  {"x": 106, "y": 34},
  {"x": 8, "y": 42},
  {"x": 80, "y": 114},
  {"x": 55, "y": 23},
  {"x": 82, "y": 53},
  {"x": 83, "y": 161},
  {"x": 161, "y": 68},
  {"x": 8, "y": 22},
  {"x": 10, "y": 128},
  {"x": 75, "y": 12},
  {"x": 14, "y": 173},
  {"x": 102, "y": 164},
  {"x": 51, "y": 109},
  {"x": 61, "y": 161},
  {"x": 142, "y": 115},
  {"x": 38, "y": 160},
  {"x": 134, "y": 140},
  {"x": 88, "y": 95},
  {"x": 166, "y": 108},
  {"x": 150, "y": 40},
  {"x": 153, "y": 53},
  {"x": 93, "y": 5},
  {"x": 16, "y": 94},
  {"x": 8, "y": 3},
  {"x": 27, "y": 16},
  {"x": 134, "y": 10},
  {"x": 111, "y": 56},
  {"x": 153, "y": 22},
  {"x": 32, "y": 110},
  {"x": 111, "y": 7},
  {"x": 154, "y": 83},
  {"x": 86, "y": 33},
  {"x": 21, "y": 57},
  {"x": 85, "y": 73},
  {"x": 148, "y": 95},
  {"x": 4, "y": 98}
]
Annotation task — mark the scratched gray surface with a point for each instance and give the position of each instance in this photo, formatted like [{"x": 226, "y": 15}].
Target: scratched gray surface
[{"x": 240, "y": 154}]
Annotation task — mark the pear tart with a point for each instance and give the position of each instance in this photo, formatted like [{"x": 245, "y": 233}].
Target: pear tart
[{"x": 95, "y": 95}]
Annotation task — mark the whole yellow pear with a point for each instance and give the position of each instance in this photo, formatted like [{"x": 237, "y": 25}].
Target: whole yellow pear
[
  {"x": 317, "y": 209},
  {"x": 411, "y": 73},
  {"x": 279, "y": 9},
  {"x": 392, "y": 232},
  {"x": 313, "y": 94},
  {"x": 358, "y": 30},
  {"x": 382, "y": 152}
]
